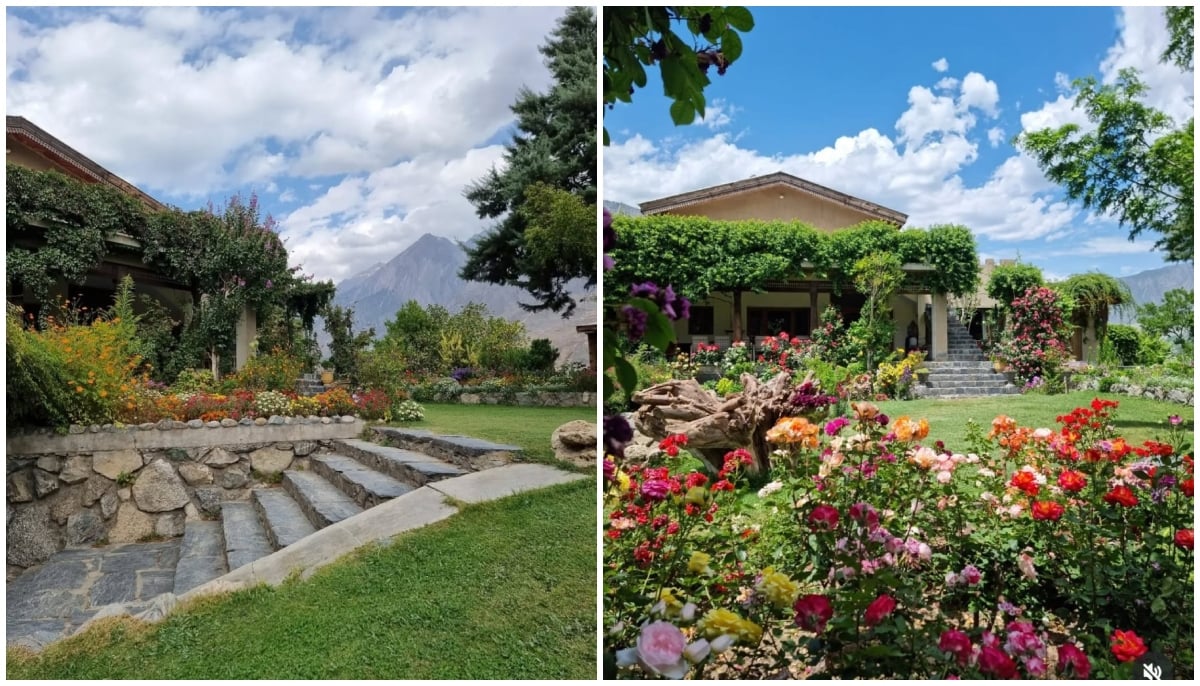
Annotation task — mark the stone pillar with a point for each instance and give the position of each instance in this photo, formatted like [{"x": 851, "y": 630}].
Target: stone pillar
[
  {"x": 1091, "y": 345},
  {"x": 247, "y": 329},
  {"x": 939, "y": 322}
]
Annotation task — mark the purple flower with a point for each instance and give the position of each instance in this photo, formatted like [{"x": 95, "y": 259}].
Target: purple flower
[
  {"x": 617, "y": 433},
  {"x": 882, "y": 419},
  {"x": 269, "y": 283},
  {"x": 656, "y": 489},
  {"x": 1175, "y": 420},
  {"x": 608, "y": 262},
  {"x": 635, "y": 321},
  {"x": 835, "y": 425},
  {"x": 610, "y": 470}
]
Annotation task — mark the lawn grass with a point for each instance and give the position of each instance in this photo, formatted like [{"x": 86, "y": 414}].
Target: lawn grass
[
  {"x": 528, "y": 427},
  {"x": 1137, "y": 419},
  {"x": 503, "y": 590}
]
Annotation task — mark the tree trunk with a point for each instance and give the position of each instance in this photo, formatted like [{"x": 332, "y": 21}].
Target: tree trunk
[{"x": 737, "y": 315}]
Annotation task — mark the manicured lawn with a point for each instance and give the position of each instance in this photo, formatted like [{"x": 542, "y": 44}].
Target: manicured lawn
[
  {"x": 528, "y": 427},
  {"x": 504, "y": 590},
  {"x": 1137, "y": 419}
]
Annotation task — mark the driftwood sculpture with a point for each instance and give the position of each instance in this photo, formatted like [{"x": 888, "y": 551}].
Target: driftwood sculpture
[{"x": 714, "y": 426}]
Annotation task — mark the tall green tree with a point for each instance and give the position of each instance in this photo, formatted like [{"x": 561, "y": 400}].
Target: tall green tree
[
  {"x": 1138, "y": 164},
  {"x": 1093, "y": 296},
  {"x": 877, "y": 277},
  {"x": 1173, "y": 319},
  {"x": 639, "y": 37},
  {"x": 555, "y": 146}
]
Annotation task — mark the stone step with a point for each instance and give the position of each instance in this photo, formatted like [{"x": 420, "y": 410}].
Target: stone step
[
  {"x": 201, "y": 555},
  {"x": 472, "y": 454},
  {"x": 320, "y": 500},
  {"x": 409, "y": 466},
  {"x": 950, "y": 364},
  {"x": 969, "y": 392},
  {"x": 245, "y": 536},
  {"x": 285, "y": 522},
  {"x": 968, "y": 383},
  {"x": 364, "y": 485}
]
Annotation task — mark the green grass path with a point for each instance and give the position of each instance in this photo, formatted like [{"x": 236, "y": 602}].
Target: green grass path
[{"x": 528, "y": 427}]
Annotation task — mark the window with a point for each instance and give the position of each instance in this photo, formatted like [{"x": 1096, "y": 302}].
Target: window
[
  {"x": 769, "y": 321},
  {"x": 700, "y": 321}
]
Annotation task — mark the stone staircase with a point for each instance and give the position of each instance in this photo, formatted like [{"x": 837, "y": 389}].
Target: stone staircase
[
  {"x": 964, "y": 371},
  {"x": 354, "y": 476}
]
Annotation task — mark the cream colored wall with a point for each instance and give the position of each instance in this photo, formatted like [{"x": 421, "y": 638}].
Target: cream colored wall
[
  {"x": 777, "y": 203},
  {"x": 24, "y": 157},
  {"x": 722, "y": 306}
]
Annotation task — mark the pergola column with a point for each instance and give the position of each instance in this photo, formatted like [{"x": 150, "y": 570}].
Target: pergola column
[
  {"x": 940, "y": 343},
  {"x": 247, "y": 329}
]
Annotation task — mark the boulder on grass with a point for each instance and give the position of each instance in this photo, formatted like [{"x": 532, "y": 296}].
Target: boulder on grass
[{"x": 575, "y": 442}]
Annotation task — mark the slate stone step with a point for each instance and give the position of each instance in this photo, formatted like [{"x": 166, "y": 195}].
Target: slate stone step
[
  {"x": 409, "y": 466},
  {"x": 472, "y": 454},
  {"x": 320, "y": 500},
  {"x": 201, "y": 555},
  {"x": 285, "y": 522},
  {"x": 364, "y": 485},
  {"x": 245, "y": 536}
]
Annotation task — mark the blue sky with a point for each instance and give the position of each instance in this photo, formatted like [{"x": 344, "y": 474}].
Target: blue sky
[
  {"x": 913, "y": 108},
  {"x": 358, "y": 128}
]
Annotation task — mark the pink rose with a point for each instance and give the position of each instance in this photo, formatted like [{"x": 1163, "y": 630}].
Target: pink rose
[
  {"x": 993, "y": 661},
  {"x": 824, "y": 517},
  {"x": 957, "y": 644},
  {"x": 813, "y": 612},
  {"x": 660, "y": 650},
  {"x": 971, "y": 575},
  {"x": 1072, "y": 662}
]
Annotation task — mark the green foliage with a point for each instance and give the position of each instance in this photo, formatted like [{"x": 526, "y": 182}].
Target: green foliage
[
  {"x": 1125, "y": 343},
  {"x": 1093, "y": 296},
  {"x": 1136, "y": 164},
  {"x": 407, "y": 411},
  {"x": 1010, "y": 281},
  {"x": 36, "y": 390},
  {"x": 1173, "y": 319},
  {"x": 876, "y": 276},
  {"x": 274, "y": 371},
  {"x": 434, "y": 341},
  {"x": 58, "y": 227},
  {"x": 344, "y": 344},
  {"x": 1181, "y": 24},
  {"x": 416, "y": 331},
  {"x": 1152, "y": 349},
  {"x": 541, "y": 356},
  {"x": 640, "y": 37},
  {"x": 384, "y": 366},
  {"x": 707, "y": 255},
  {"x": 553, "y": 150}
]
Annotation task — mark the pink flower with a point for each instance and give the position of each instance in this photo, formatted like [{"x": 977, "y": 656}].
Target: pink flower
[
  {"x": 813, "y": 612},
  {"x": 1072, "y": 662},
  {"x": 1025, "y": 564},
  {"x": 971, "y": 575},
  {"x": 823, "y": 517},
  {"x": 957, "y": 644},
  {"x": 879, "y": 609},
  {"x": 993, "y": 661},
  {"x": 660, "y": 650},
  {"x": 656, "y": 489}
]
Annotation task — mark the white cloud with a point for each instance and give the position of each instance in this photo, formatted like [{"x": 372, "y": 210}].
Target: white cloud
[
  {"x": 398, "y": 108},
  {"x": 719, "y": 113},
  {"x": 1143, "y": 38},
  {"x": 995, "y": 136},
  {"x": 941, "y": 65},
  {"x": 980, "y": 93},
  {"x": 947, "y": 83}
]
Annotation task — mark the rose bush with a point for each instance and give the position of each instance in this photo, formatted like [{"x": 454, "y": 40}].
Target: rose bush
[{"x": 872, "y": 551}]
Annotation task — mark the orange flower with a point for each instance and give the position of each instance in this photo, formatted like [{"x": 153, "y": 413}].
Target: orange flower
[{"x": 794, "y": 430}]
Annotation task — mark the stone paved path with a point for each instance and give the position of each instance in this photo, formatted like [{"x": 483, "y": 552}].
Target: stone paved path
[{"x": 48, "y": 602}]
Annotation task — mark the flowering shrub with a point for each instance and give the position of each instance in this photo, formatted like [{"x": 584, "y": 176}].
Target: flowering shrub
[
  {"x": 277, "y": 371},
  {"x": 304, "y": 406},
  {"x": 268, "y": 403},
  {"x": 192, "y": 380},
  {"x": 896, "y": 379},
  {"x": 736, "y": 354},
  {"x": 683, "y": 367},
  {"x": 372, "y": 404},
  {"x": 875, "y": 552},
  {"x": 1035, "y": 342},
  {"x": 784, "y": 353},
  {"x": 707, "y": 354},
  {"x": 334, "y": 402},
  {"x": 407, "y": 411}
]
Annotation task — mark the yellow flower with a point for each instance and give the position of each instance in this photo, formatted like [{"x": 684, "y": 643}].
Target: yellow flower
[
  {"x": 673, "y": 604},
  {"x": 623, "y": 481},
  {"x": 778, "y": 588},
  {"x": 103, "y": 394},
  {"x": 79, "y": 389},
  {"x": 719, "y": 621},
  {"x": 698, "y": 564}
]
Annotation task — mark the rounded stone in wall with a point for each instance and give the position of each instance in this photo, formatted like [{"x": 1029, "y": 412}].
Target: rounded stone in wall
[
  {"x": 85, "y": 526},
  {"x": 270, "y": 460},
  {"x": 77, "y": 468},
  {"x": 32, "y": 536},
  {"x": 159, "y": 489},
  {"x": 170, "y": 524},
  {"x": 132, "y": 525},
  {"x": 220, "y": 457},
  {"x": 195, "y": 474}
]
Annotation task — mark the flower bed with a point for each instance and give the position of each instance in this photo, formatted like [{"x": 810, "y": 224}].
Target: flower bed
[{"x": 868, "y": 550}]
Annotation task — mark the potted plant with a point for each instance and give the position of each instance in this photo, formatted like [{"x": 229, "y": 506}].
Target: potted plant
[
  {"x": 708, "y": 357},
  {"x": 999, "y": 365},
  {"x": 326, "y": 375},
  {"x": 923, "y": 375}
]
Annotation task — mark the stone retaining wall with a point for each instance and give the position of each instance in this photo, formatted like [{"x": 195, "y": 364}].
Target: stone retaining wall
[
  {"x": 127, "y": 484},
  {"x": 1183, "y": 396},
  {"x": 530, "y": 399}
]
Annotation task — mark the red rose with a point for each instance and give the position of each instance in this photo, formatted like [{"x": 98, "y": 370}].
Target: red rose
[
  {"x": 813, "y": 612},
  {"x": 1187, "y": 486},
  {"x": 823, "y": 517},
  {"x": 1046, "y": 509},
  {"x": 1121, "y": 495},
  {"x": 1071, "y": 481},
  {"x": 1025, "y": 481},
  {"x": 879, "y": 609},
  {"x": 957, "y": 644},
  {"x": 1073, "y": 662},
  {"x": 1183, "y": 538},
  {"x": 993, "y": 661},
  {"x": 1127, "y": 646}
]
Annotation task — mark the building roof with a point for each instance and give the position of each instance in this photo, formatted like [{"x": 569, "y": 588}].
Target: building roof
[
  {"x": 73, "y": 162},
  {"x": 778, "y": 178}
]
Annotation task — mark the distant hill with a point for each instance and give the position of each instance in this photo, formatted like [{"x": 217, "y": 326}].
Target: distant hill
[
  {"x": 427, "y": 271},
  {"x": 1149, "y": 286}
]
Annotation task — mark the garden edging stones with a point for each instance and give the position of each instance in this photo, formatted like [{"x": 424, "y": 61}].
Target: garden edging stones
[{"x": 126, "y": 484}]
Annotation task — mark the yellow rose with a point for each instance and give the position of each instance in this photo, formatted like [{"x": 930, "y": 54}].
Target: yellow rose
[
  {"x": 778, "y": 588},
  {"x": 719, "y": 621},
  {"x": 698, "y": 564}
]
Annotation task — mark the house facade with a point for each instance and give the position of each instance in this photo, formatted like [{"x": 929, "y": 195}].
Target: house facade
[
  {"x": 794, "y": 306},
  {"x": 31, "y": 147}
]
